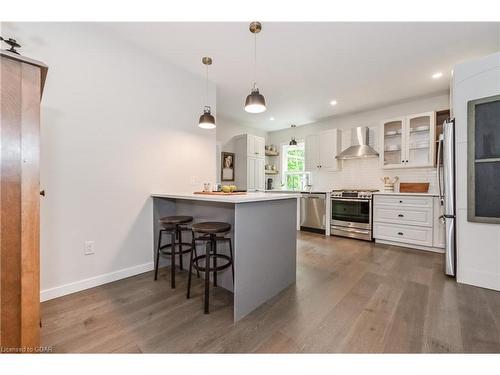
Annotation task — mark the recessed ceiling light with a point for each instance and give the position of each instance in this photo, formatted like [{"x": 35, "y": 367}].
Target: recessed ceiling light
[
  {"x": 333, "y": 102},
  {"x": 271, "y": 118},
  {"x": 437, "y": 75}
]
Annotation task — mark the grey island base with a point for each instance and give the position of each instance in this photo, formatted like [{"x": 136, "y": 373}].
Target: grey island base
[{"x": 264, "y": 240}]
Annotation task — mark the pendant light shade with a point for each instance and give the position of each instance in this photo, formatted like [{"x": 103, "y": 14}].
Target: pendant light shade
[
  {"x": 207, "y": 120},
  {"x": 255, "y": 102},
  {"x": 293, "y": 142}
]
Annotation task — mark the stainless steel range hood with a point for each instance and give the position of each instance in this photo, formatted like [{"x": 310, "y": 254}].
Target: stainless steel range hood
[{"x": 359, "y": 145}]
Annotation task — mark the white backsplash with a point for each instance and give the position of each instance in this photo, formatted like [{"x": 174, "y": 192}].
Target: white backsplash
[{"x": 366, "y": 173}]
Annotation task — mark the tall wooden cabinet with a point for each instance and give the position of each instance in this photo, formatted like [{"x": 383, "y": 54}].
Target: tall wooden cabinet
[{"x": 21, "y": 85}]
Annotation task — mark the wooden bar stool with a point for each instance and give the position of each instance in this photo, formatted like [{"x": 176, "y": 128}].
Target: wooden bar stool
[
  {"x": 211, "y": 232},
  {"x": 173, "y": 225}
]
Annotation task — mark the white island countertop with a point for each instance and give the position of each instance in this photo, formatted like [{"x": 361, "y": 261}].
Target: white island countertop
[{"x": 237, "y": 198}]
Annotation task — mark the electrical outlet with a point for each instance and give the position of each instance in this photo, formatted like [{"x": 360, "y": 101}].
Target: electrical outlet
[{"x": 88, "y": 248}]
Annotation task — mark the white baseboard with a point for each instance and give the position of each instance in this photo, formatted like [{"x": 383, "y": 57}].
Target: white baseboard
[
  {"x": 91, "y": 282},
  {"x": 411, "y": 246}
]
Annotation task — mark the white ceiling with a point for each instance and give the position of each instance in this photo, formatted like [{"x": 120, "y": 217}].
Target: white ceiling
[{"x": 302, "y": 66}]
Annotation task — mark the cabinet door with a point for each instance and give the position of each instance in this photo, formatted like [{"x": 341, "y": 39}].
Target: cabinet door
[
  {"x": 259, "y": 174},
  {"x": 420, "y": 140},
  {"x": 393, "y": 143},
  {"x": 311, "y": 151},
  {"x": 250, "y": 174},
  {"x": 250, "y": 145},
  {"x": 328, "y": 149},
  {"x": 259, "y": 146}
]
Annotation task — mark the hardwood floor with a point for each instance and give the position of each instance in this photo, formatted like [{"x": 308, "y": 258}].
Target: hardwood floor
[{"x": 350, "y": 296}]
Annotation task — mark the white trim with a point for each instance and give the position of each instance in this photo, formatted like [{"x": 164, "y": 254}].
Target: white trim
[{"x": 91, "y": 282}]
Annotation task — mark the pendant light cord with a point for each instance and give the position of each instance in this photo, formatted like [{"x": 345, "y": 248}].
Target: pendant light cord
[
  {"x": 255, "y": 60},
  {"x": 207, "y": 85}
]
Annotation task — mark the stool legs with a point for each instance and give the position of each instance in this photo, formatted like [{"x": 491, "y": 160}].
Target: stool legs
[
  {"x": 232, "y": 260},
  {"x": 172, "y": 261},
  {"x": 158, "y": 255},
  {"x": 193, "y": 250},
  {"x": 179, "y": 235},
  {"x": 207, "y": 274},
  {"x": 214, "y": 248}
]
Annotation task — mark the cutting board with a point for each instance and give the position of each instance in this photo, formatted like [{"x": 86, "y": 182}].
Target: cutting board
[
  {"x": 219, "y": 193},
  {"x": 413, "y": 187}
]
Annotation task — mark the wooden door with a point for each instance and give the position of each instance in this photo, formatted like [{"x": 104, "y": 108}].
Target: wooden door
[{"x": 20, "y": 89}]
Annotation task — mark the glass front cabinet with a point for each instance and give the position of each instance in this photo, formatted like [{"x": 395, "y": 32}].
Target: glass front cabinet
[{"x": 409, "y": 141}]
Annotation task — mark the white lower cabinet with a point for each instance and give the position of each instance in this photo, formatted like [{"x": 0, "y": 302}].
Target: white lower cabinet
[
  {"x": 408, "y": 234},
  {"x": 407, "y": 220}
]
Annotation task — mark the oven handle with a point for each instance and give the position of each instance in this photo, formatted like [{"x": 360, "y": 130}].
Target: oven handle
[
  {"x": 352, "y": 230},
  {"x": 350, "y": 200}
]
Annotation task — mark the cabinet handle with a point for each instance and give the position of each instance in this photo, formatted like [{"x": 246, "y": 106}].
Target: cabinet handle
[
  {"x": 42, "y": 193},
  {"x": 400, "y": 233},
  {"x": 400, "y": 201},
  {"x": 401, "y": 215}
]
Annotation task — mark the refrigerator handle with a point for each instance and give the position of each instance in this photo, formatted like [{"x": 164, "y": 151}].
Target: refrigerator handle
[{"x": 438, "y": 169}]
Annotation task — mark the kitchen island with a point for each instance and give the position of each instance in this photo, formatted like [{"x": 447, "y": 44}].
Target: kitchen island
[{"x": 264, "y": 240}]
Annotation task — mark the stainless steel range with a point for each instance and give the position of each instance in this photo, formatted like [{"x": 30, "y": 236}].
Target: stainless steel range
[{"x": 351, "y": 213}]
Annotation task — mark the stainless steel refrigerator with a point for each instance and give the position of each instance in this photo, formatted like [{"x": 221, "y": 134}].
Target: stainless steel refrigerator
[{"x": 446, "y": 186}]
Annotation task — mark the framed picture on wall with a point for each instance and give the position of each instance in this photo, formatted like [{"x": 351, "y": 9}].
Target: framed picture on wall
[{"x": 227, "y": 168}]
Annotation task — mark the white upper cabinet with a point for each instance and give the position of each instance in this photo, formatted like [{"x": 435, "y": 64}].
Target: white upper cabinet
[
  {"x": 408, "y": 142},
  {"x": 255, "y": 146},
  {"x": 321, "y": 150},
  {"x": 329, "y": 147},
  {"x": 311, "y": 152}
]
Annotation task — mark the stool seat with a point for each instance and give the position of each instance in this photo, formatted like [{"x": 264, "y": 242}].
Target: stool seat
[
  {"x": 169, "y": 220},
  {"x": 211, "y": 227}
]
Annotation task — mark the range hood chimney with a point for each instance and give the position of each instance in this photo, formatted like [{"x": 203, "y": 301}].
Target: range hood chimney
[{"x": 359, "y": 145}]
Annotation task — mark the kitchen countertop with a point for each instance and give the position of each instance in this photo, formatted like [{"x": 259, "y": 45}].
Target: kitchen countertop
[
  {"x": 274, "y": 191},
  {"x": 398, "y": 193},
  {"x": 248, "y": 197}
]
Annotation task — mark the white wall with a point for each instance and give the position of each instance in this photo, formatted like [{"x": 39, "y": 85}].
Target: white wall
[
  {"x": 117, "y": 125},
  {"x": 364, "y": 173},
  {"x": 478, "y": 244}
]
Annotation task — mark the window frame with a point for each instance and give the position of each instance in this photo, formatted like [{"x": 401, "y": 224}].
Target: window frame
[{"x": 303, "y": 175}]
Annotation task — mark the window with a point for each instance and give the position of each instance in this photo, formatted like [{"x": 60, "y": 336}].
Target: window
[{"x": 294, "y": 176}]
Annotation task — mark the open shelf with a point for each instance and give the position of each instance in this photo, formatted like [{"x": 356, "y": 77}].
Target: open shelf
[
  {"x": 268, "y": 171},
  {"x": 271, "y": 153}
]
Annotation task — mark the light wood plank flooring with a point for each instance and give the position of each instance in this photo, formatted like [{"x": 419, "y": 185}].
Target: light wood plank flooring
[{"x": 350, "y": 296}]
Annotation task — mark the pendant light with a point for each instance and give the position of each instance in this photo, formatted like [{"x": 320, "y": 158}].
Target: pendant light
[
  {"x": 207, "y": 120},
  {"x": 293, "y": 142},
  {"x": 255, "y": 102}
]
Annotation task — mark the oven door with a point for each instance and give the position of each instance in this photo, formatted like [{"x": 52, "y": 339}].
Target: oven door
[{"x": 355, "y": 213}]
